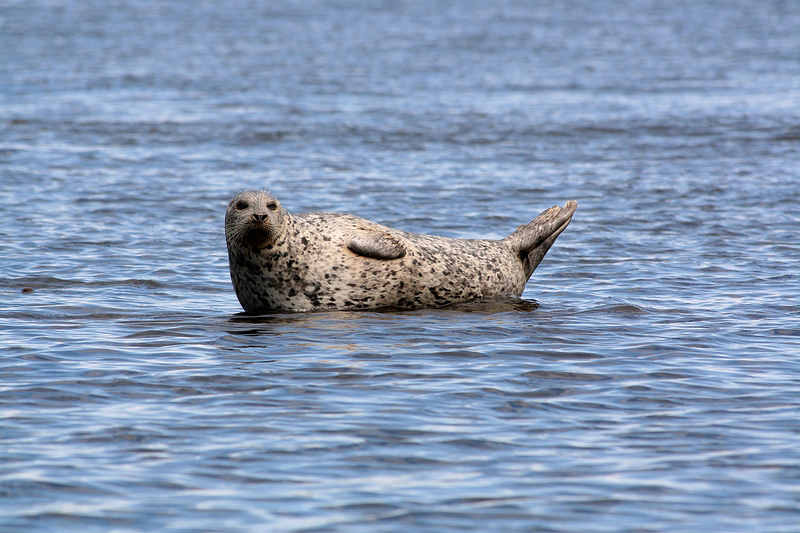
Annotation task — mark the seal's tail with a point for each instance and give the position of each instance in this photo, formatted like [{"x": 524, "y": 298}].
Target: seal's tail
[{"x": 532, "y": 241}]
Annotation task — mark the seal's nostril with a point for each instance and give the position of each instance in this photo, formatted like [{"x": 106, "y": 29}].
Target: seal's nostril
[{"x": 260, "y": 218}]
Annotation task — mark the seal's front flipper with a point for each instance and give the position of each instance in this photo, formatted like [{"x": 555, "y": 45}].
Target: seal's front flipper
[
  {"x": 532, "y": 241},
  {"x": 376, "y": 245}
]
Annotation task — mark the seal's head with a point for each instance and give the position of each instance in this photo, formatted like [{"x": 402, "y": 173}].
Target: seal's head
[{"x": 254, "y": 219}]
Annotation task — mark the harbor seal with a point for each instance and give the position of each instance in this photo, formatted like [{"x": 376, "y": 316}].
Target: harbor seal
[{"x": 313, "y": 261}]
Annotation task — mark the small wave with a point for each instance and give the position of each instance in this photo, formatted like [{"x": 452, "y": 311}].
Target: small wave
[
  {"x": 46, "y": 282},
  {"x": 619, "y": 308}
]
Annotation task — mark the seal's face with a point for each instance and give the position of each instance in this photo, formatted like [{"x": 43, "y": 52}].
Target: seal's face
[{"x": 254, "y": 219}]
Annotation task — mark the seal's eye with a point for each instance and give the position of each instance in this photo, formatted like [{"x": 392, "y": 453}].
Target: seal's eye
[
  {"x": 241, "y": 204},
  {"x": 272, "y": 207}
]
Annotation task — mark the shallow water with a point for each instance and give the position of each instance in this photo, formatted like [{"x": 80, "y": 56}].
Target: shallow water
[{"x": 647, "y": 381}]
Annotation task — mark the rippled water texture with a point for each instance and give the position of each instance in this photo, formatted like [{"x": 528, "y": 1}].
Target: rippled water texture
[{"x": 648, "y": 381}]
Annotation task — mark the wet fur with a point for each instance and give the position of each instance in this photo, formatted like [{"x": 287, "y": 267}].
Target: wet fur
[{"x": 316, "y": 261}]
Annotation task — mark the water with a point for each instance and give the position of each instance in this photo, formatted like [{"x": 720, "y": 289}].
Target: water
[{"x": 648, "y": 380}]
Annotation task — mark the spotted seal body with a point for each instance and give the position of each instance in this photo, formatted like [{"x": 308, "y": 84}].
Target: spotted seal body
[{"x": 310, "y": 261}]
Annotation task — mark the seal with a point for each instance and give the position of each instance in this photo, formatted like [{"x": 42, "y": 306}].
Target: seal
[{"x": 313, "y": 261}]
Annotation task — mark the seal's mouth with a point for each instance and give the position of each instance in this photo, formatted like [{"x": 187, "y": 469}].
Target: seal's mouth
[{"x": 258, "y": 234}]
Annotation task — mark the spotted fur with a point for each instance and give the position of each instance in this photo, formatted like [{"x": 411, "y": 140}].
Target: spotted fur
[{"x": 310, "y": 261}]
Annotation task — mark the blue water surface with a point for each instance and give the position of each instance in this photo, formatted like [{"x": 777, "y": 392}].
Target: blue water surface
[{"x": 647, "y": 381}]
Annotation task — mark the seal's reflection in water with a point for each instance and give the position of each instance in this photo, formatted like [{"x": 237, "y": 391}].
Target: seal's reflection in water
[
  {"x": 494, "y": 306},
  {"x": 375, "y": 333},
  {"x": 504, "y": 305}
]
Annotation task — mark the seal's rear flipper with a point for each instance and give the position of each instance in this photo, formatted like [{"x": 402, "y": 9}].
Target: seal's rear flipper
[{"x": 532, "y": 241}]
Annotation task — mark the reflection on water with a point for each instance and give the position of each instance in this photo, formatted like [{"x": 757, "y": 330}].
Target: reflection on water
[{"x": 504, "y": 305}]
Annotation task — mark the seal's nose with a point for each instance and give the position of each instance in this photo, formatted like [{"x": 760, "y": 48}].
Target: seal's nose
[{"x": 260, "y": 218}]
